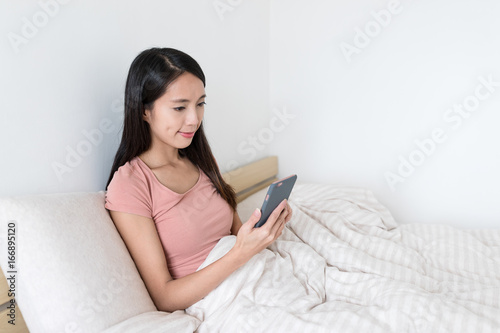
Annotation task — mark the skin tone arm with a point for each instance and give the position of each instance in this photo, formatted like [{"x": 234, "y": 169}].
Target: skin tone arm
[
  {"x": 142, "y": 240},
  {"x": 236, "y": 224}
]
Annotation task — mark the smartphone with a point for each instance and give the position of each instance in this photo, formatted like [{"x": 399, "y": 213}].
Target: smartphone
[{"x": 277, "y": 192}]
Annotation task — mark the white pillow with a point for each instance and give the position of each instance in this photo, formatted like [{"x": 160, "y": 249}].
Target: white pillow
[{"x": 74, "y": 273}]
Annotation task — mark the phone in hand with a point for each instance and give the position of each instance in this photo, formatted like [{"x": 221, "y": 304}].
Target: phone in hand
[{"x": 277, "y": 192}]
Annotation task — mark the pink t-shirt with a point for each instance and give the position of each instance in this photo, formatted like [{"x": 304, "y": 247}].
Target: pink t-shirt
[{"x": 189, "y": 224}]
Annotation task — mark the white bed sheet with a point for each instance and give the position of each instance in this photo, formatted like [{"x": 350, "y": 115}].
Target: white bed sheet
[{"x": 344, "y": 265}]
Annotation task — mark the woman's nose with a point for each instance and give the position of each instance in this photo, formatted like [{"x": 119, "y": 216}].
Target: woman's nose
[{"x": 192, "y": 117}]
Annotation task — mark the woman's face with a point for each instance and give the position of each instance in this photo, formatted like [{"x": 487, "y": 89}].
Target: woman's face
[{"x": 177, "y": 114}]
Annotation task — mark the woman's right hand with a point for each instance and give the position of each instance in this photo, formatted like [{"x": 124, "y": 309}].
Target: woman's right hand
[{"x": 251, "y": 241}]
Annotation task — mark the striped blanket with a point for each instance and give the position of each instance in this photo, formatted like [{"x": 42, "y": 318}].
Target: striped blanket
[{"x": 343, "y": 264}]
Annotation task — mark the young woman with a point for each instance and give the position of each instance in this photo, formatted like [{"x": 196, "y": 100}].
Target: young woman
[{"x": 165, "y": 192}]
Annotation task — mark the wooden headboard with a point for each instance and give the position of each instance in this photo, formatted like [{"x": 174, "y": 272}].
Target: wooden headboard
[{"x": 252, "y": 177}]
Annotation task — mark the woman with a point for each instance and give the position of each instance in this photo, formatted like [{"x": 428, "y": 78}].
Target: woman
[{"x": 165, "y": 192}]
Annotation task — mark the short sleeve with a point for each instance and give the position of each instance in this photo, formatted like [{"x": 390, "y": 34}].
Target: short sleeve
[{"x": 128, "y": 192}]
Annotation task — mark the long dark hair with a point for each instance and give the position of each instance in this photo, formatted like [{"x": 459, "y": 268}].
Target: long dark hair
[{"x": 148, "y": 78}]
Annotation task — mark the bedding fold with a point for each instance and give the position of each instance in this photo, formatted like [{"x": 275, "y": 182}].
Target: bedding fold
[{"x": 343, "y": 264}]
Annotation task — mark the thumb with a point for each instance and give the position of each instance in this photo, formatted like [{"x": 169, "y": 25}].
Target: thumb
[{"x": 254, "y": 218}]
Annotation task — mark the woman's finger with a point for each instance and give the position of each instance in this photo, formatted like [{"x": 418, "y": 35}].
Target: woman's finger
[
  {"x": 271, "y": 221},
  {"x": 279, "y": 225},
  {"x": 289, "y": 216},
  {"x": 276, "y": 227},
  {"x": 280, "y": 229}
]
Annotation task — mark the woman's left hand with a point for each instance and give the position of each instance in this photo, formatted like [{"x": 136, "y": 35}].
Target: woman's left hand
[{"x": 288, "y": 211}]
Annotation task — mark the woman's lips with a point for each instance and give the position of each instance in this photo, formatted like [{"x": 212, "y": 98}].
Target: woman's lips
[{"x": 187, "y": 134}]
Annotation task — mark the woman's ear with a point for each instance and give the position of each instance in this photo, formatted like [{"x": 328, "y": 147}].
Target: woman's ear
[{"x": 146, "y": 114}]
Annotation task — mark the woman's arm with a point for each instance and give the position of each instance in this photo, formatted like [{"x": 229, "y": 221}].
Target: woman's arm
[
  {"x": 235, "y": 227},
  {"x": 142, "y": 240}
]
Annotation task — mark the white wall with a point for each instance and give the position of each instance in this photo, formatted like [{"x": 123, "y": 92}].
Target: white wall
[
  {"x": 65, "y": 77},
  {"x": 277, "y": 82},
  {"x": 358, "y": 110}
]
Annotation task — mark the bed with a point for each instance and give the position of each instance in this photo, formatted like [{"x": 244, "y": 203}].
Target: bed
[{"x": 342, "y": 264}]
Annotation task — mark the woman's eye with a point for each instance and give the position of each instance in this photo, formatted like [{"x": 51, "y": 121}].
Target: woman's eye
[
  {"x": 180, "y": 108},
  {"x": 202, "y": 103}
]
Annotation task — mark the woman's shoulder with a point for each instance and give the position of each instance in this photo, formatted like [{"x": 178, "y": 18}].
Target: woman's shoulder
[
  {"x": 129, "y": 190},
  {"x": 129, "y": 174}
]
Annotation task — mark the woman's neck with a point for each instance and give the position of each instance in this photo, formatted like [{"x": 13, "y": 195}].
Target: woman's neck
[{"x": 155, "y": 157}]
